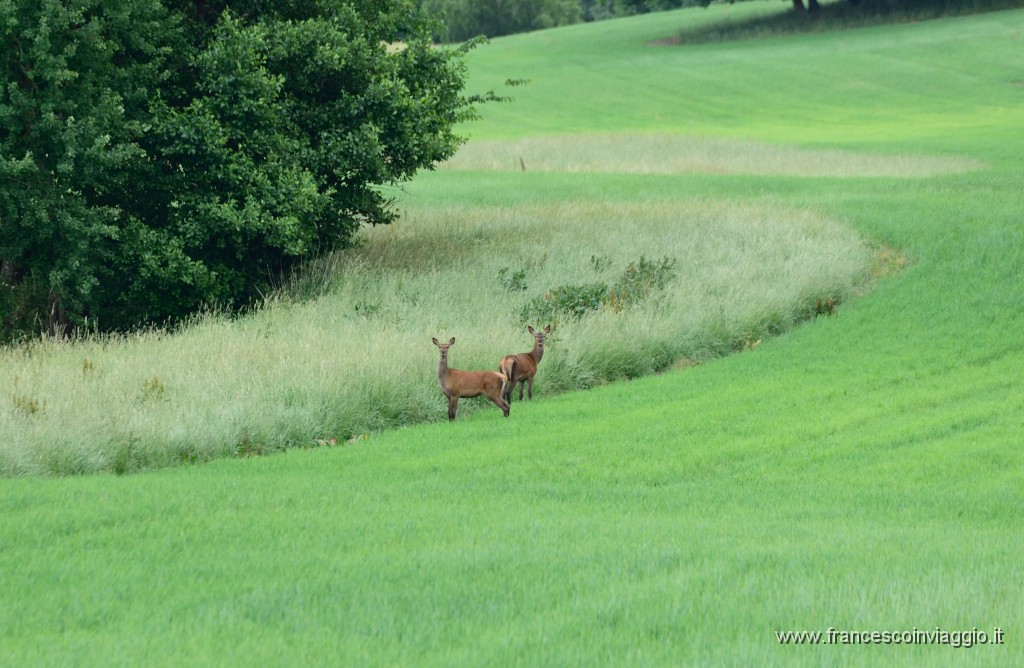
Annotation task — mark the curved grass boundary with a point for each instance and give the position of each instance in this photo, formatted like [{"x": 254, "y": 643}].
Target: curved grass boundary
[{"x": 358, "y": 358}]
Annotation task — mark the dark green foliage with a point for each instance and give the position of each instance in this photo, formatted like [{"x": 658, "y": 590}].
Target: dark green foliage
[
  {"x": 512, "y": 281},
  {"x": 366, "y": 309},
  {"x": 801, "y": 17},
  {"x": 639, "y": 279},
  {"x": 463, "y": 19},
  {"x": 156, "y": 157},
  {"x": 634, "y": 286},
  {"x": 566, "y": 301},
  {"x": 595, "y": 10}
]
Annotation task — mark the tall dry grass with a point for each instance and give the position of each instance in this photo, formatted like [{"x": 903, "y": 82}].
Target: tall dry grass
[
  {"x": 358, "y": 358},
  {"x": 659, "y": 153}
]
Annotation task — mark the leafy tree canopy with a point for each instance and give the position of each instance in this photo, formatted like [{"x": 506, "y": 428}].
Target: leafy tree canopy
[{"x": 157, "y": 156}]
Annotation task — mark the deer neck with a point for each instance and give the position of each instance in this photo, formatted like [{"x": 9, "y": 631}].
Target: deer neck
[
  {"x": 537, "y": 353},
  {"x": 442, "y": 370}
]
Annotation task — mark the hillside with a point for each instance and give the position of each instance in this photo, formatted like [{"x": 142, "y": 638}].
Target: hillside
[{"x": 858, "y": 472}]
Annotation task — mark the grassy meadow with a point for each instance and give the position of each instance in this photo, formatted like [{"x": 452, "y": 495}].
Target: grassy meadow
[
  {"x": 360, "y": 359},
  {"x": 861, "y": 471}
]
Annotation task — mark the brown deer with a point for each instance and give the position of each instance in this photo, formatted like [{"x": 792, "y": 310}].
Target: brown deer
[
  {"x": 457, "y": 384},
  {"x": 522, "y": 368}
]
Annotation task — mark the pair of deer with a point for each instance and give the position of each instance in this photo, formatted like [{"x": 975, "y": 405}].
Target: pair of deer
[{"x": 495, "y": 385}]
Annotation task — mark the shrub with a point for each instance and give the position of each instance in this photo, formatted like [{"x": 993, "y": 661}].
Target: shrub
[{"x": 635, "y": 285}]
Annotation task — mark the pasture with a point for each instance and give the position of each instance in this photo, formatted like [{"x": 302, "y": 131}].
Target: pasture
[{"x": 860, "y": 471}]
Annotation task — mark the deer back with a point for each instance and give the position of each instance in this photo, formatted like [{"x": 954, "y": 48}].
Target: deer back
[
  {"x": 526, "y": 366},
  {"x": 473, "y": 383}
]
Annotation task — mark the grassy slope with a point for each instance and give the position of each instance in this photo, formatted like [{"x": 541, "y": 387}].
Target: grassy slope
[{"x": 862, "y": 472}]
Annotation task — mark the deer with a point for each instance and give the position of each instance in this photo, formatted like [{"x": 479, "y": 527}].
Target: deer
[
  {"x": 456, "y": 384},
  {"x": 522, "y": 368}
]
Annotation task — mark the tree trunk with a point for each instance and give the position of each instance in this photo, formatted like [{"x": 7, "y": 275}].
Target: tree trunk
[
  {"x": 57, "y": 323},
  {"x": 6, "y": 271}
]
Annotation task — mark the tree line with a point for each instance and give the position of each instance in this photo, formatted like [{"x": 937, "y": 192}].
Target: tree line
[
  {"x": 463, "y": 19},
  {"x": 459, "y": 20}
]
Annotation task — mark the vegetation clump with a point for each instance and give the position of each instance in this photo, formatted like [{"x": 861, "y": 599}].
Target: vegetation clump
[{"x": 638, "y": 281}]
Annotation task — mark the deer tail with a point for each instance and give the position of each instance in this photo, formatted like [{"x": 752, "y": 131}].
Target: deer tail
[{"x": 507, "y": 367}]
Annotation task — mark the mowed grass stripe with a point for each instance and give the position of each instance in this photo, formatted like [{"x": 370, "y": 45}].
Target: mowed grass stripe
[
  {"x": 939, "y": 88},
  {"x": 676, "y": 154},
  {"x": 513, "y": 506}
]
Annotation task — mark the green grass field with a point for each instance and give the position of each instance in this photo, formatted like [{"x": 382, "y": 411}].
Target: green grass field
[{"x": 861, "y": 471}]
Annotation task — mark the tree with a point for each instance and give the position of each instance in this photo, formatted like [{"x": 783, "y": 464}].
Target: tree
[
  {"x": 812, "y": 6},
  {"x": 157, "y": 156},
  {"x": 464, "y": 19}
]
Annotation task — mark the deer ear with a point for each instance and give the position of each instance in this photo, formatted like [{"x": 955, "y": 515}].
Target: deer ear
[
  {"x": 547, "y": 330},
  {"x": 452, "y": 342},
  {"x": 530, "y": 327},
  {"x": 436, "y": 342}
]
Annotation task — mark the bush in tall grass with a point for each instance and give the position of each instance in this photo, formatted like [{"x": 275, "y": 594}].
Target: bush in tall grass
[{"x": 576, "y": 301}]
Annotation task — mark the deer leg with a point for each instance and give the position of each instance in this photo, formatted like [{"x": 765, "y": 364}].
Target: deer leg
[
  {"x": 530, "y": 390},
  {"x": 453, "y": 406},
  {"x": 521, "y": 383},
  {"x": 500, "y": 402}
]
